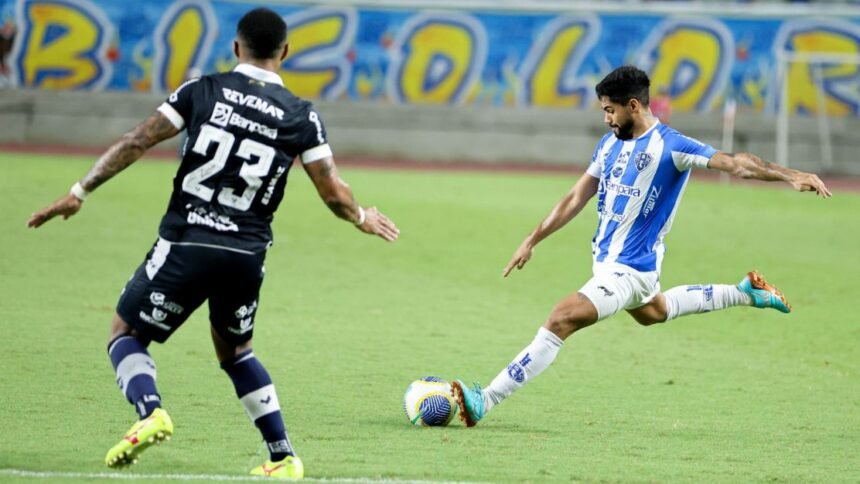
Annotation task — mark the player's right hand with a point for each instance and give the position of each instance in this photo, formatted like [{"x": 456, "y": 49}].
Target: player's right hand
[
  {"x": 66, "y": 206},
  {"x": 376, "y": 223},
  {"x": 520, "y": 257}
]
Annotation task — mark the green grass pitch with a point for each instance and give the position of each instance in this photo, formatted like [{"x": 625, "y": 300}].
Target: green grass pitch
[{"x": 347, "y": 321}]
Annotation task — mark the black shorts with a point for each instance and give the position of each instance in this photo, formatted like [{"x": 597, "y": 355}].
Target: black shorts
[{"x": 175, "y": 279}]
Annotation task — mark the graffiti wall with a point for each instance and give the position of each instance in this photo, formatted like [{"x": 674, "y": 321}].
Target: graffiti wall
[{"x": 433, "y": 57}]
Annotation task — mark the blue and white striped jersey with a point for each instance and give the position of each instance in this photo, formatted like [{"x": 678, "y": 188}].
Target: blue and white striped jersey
[{"x": 641, "y": 183}]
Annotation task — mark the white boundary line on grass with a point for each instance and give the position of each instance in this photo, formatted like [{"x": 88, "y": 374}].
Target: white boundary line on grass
[{"x": 184, "y": 477}]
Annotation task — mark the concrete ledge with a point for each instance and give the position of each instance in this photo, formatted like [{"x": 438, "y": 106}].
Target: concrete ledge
[{"x": 439, "y": 133}]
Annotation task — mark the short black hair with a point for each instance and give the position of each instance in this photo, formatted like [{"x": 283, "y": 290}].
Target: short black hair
[
  {"x": 263, "y": 32},
  {"x": 624, "y": 84}
]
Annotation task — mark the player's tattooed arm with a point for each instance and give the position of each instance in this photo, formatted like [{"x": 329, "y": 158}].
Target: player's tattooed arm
[
  {"x": 119, "y": 156},
  {"x": 333, "y": 190},
  {"x": 750, "y": 166},
  {"x": 338, "y": 197},
  {"x": 128, "y": 149}
]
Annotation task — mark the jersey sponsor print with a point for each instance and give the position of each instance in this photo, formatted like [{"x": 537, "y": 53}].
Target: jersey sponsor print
[
  {"x": 641, "y": 184},
  {"x": 244, "y": 131}
]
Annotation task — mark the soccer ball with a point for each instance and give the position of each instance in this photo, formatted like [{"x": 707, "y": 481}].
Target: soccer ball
[{"x": 428, "y": 402}]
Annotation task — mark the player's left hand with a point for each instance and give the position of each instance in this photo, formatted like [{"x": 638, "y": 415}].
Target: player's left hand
[
  {"x": 66, "y": 206},
  {"x": 809, "y": 182}
]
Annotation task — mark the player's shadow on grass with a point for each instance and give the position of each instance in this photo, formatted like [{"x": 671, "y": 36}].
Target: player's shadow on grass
[{"x": 455, "y": 425}]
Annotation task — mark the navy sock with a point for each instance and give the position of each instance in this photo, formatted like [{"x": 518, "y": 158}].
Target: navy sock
[
  {"x": 257, "y": 393},
  {"x": 135, "y": 373}
]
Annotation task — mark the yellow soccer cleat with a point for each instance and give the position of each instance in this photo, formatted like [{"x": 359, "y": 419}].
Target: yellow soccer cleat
[
  {"x": 289, "y": 468},
  {"x": 152, "y": 430}
]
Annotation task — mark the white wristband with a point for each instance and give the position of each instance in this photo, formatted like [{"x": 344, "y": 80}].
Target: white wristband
[
  {"x": 361, "y": 216},
  {"x": 78, "y": 191}
]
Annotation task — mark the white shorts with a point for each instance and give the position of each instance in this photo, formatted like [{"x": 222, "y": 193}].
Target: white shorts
[{"x": 615, "y": 287}]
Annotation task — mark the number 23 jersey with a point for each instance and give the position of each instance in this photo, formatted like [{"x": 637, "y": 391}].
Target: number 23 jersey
[{"x": 244, "y": 130}]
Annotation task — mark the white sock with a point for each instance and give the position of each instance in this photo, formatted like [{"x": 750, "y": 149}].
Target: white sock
[
  {"x": 683, "y": 300},
  {"x": 531, "y": 361}
]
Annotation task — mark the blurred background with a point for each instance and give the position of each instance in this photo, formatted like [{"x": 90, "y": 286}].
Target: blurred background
[{"x": 442, "y": 81}]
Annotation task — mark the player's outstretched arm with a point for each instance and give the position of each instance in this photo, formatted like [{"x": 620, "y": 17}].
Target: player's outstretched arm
[
  {"x": 125, "y": 151},
  {"x": 564, "y": 211},
  {"x": 750, "y": 166},
  {"x": 338, "y": 196}
]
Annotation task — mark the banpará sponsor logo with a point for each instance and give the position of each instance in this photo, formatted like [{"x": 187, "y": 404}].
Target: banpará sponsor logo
[
  {"x": 223, "y": 115},
  {"x": 623, "y": 189}
]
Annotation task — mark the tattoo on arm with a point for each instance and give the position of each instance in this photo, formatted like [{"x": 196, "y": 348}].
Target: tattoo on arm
[
  {"x": 335, "y": 192},
  {"x": 347, "y": 210},
  {"x": 748, "y": 165},
  {"x": 327, "y": 167},
  {"x": 128, "y": 149}
]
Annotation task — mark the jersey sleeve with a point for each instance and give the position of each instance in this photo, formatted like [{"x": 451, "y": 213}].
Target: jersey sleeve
[
  {"x": 313, "y": 141},
  {"x": 690, "y": 153},
  {"x": 177, "y": 108},
  {"x": 595, "y": 168}
]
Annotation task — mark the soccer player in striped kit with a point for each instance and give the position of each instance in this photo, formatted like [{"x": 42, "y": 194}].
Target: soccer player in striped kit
[{"x": 638, "y": 172}]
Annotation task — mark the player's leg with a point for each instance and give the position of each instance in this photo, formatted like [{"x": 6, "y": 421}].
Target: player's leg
[
  {"x": 154, "y": 303},
  {"x": 134, "y": 367},
  {"x": 135, "y": 375},
  {"x": 233, "y": 306},
  {"x": 599, "y": 298},
  {"x": 679, "y": 301}
]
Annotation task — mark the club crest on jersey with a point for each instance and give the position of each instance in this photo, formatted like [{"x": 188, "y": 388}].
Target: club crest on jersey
[{"x": 642, "y": 160}]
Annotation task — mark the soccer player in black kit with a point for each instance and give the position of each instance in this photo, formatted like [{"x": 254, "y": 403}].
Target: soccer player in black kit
[{"x": 244, "y": 131}]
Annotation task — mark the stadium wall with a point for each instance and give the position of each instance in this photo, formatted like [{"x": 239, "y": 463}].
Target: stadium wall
[
  {"x": 445, "y": 79},
  {"x": 436, "y": 133},
  {"x": 469, "y": 53}
]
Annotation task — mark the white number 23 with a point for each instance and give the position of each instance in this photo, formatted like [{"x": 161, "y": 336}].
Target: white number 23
[{"x": 252, "y": 174}]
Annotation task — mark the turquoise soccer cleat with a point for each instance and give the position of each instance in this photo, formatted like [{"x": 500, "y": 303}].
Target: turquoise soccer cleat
[
  {"x": 470, "y": 401},
  {"x": 763, "y": 294}
]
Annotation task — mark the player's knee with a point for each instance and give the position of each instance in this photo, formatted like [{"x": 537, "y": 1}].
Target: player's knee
[
  {"x": 564, "y": 324},
  {"x": 647, "y": 321},
  {"x": 225, "y": 352},
  {"x": 649, "y": 318},
  {"x": 119, "y": 328},
  {"x": 243, "y": 347},
  {"x": 571, "y": 315}
]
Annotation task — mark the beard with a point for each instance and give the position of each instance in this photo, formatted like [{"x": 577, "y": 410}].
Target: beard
[{"x": 624, "y": 131}]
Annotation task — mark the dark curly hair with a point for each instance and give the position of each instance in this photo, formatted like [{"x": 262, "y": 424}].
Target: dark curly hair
[
  {"x": 263, "y": 32},
  {"x": 624, "y": 84}
]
